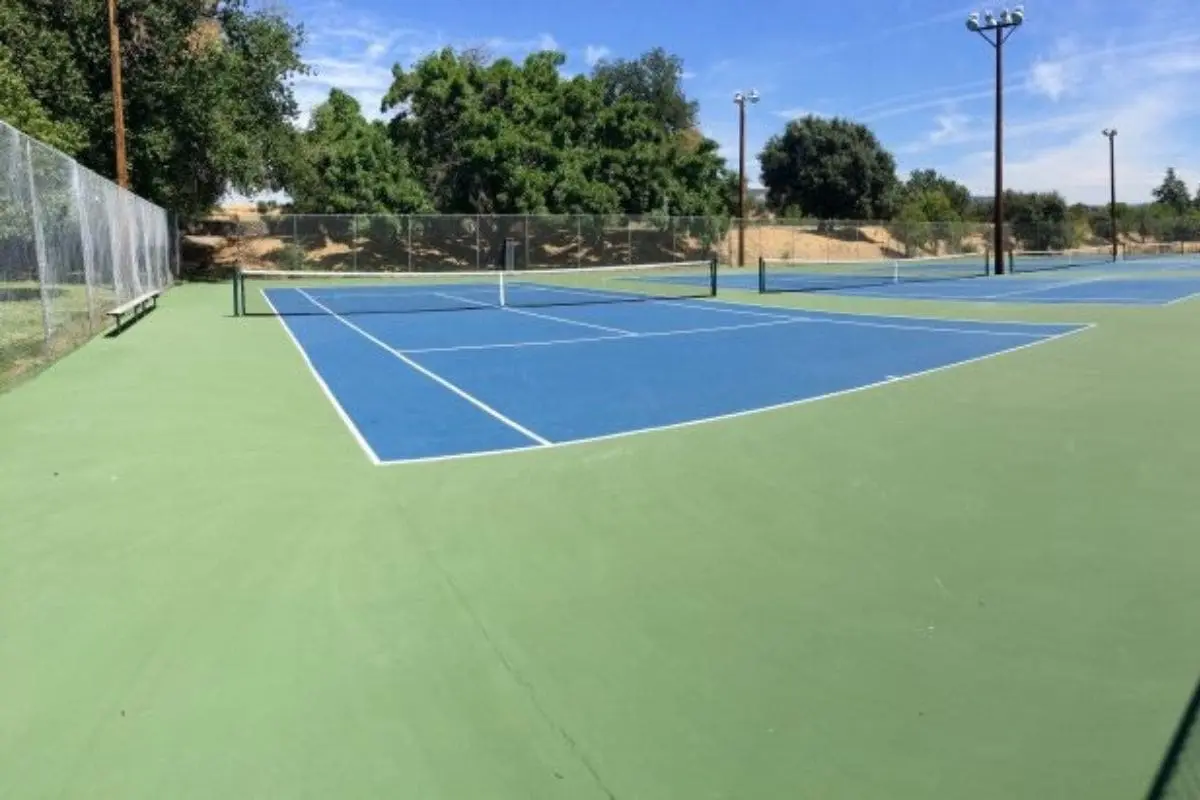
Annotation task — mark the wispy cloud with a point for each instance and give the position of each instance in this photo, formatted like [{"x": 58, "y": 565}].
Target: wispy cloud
[
  {"x": 1055, "y": 75},
  {"x": 593, "y": 54},
  {"x": 354, "y": 53}
]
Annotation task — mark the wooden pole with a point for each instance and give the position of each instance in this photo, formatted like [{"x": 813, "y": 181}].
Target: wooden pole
[{"x": 114, "y": 47}]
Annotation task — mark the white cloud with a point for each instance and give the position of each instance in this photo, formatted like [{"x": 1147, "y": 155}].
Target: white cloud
[
  {"x": 594, "y": 54},
  {"x": 1056, "y": 75},
  {"x": 951, "y": 127}
]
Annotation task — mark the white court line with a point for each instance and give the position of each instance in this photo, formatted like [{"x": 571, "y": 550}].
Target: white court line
[
  {"x": 740, "y": 414},
  {"x": 1047, "y": 286},
  {"x": 537, "y": 315},
  {"x": 1185, "y": 298},
  {"x": 588, "y": 339},
  {"x": 1046, "y": 301},
  {"x": 859, "y": 323},
  {"x": 433, "y": 376},
  {"x": 341, "y": 412}
]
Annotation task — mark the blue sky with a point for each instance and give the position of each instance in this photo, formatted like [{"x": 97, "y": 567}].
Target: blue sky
[{"x": 908, "y": 68}]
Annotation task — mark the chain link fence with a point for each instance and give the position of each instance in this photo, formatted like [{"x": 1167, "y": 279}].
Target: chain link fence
[
  {"x": 73, "y": 245},
  {"x": 469, "y": 242},
  {"x": 449, "y": 242}
]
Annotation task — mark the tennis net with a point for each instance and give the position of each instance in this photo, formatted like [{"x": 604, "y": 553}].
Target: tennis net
[
  {"x": 1135, "y": 250},
  {"x": 298, "y": 293},
  {"x": 1042, "y": 260},
  {"x": 801, "y": 275}
]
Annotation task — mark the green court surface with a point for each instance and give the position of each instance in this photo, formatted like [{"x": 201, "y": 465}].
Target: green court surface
[{"x": 980, "y": 583}]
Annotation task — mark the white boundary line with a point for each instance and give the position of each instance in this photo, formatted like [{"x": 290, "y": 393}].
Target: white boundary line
[
  {"x": 433, "y": 376},
  {"x": 715, "y": 304},
  {"x": 535, "y": 314},
  {"x": 1115, "y": 302},
  {"x": 1048, "y": 285},
  {"x": 745, "y": 413},
  {"x": 589, "y": 339},
  {"x": 1183, "y": 299},
  {"x": 329, "y": 395}
]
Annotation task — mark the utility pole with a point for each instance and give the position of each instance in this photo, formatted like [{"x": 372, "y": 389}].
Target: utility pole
[{"x": 114, "y": 48}]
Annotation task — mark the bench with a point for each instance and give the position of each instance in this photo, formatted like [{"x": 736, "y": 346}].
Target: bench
[{"x": 135, "y": 307}]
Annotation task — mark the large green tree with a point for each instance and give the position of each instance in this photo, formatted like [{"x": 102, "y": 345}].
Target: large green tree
[
  {"x": 829, "y": 168},
  {"x": 1039, "y": 221},
  {"x": 655, "y": 78},
  {"x": 1173, "y": 193},
  {"x": 207, "y": 99},
  {"x": 501, "y": 137},
  {"x": 926, "y": 181},
  {"x": 348, "y": 165}
]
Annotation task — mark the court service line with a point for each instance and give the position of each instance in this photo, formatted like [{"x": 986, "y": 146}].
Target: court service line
[
  {"x": 433, "y": 376},
  {"x": 1047, "y": 286},
  {"x": 329, "y": 395},
  {"x": 588, "y": 339},
  {"x": 539, "y": 315},
  {"x": 890, "y": 381}
]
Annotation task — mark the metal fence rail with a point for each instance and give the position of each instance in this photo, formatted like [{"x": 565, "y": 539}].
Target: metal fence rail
[{"x": 73, "y": 245}]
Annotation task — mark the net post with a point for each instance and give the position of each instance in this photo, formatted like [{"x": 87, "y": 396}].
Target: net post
[
  {"x": 712, "y": 266},
  {"x": 896, "y": 271},
  {"x": 503, "y": 292},
  {"x": 762, "y": 275},
  {"x": 238, "y": 290}
]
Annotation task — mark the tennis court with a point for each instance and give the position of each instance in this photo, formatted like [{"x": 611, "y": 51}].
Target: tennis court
[
  {"x": 541, "y": 359},
  {"x": 1087, "y": 277},
  {"x": 812, "y": 575}
]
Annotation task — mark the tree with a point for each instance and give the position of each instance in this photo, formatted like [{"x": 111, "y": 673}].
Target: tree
[
  {"x": 500, "y": 137},
  {"x": 1039, "y": 221},
  {"x": 348, "y": 165},
  {"x": 207, "y": 99},
  {"x": 655, "y": 78},
  {"x": 1173, "y": 193},
  {"x": 19, "y": 108},
  {"x": 928, "y": 180},
  {"x": 832, "y": 168}
]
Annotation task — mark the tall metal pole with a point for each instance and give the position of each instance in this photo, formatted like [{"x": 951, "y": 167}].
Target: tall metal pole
[
  {"x": 998, "y": 207},
  {"x": 740, "y": 99},
  {"x": 741, "y": 261},
  {"x": 1112, "y": 188},
  {"x": 114, "y": 47},
  {"x": 1002, "y": 27}
]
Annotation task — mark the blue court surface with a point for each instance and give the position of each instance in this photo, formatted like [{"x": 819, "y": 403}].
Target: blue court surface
[
  {"x": 1140, "y": 283},
  {"x": 431, "y": 385}
]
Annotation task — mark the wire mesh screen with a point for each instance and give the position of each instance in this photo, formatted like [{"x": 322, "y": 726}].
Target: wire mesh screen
[{"x": 73, "y": 245}]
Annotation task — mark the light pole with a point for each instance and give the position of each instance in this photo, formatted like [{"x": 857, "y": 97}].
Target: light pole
[
  {"x": 995, "y": 31},
  {"x": 740, "y": 99},
  {"x": 1111, "y": 133}
]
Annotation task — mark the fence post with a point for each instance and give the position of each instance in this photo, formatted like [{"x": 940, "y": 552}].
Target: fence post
[
  {"x": 629, "y": 240},
  {"x": 478, "y": 223},
  {"x": 354, "y": 241},
  {"x": 526, "y": 253},
  {"x": 579, "y": 240},
  {"x": 408, "y": 233}
]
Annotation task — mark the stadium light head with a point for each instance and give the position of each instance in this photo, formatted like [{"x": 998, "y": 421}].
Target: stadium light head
[
  {"x": 989, "y": 20},
  {"x": 753, "y": 96},
  {"x": 973, "y": 23},
  {"x": 1018, "y": 15},
  {"x": 1109, "y": 132},
  {"x": 741, "y": 98}
]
